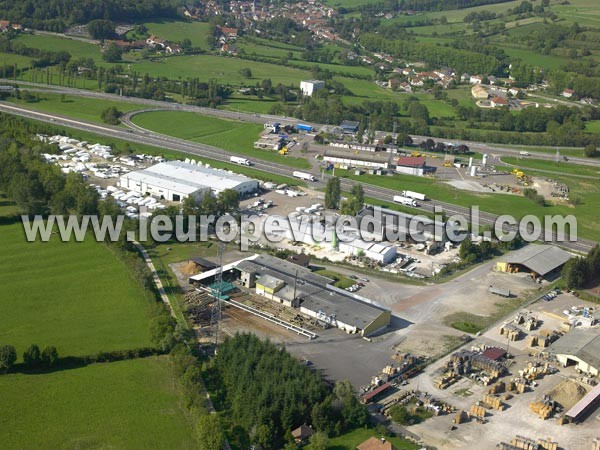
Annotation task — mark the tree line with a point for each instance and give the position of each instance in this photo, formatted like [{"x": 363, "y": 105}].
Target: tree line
[{"x": 580, "y": 271}]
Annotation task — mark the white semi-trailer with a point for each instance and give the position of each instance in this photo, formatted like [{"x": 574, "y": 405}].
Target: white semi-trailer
[
  {"x": 304, "y": 176},
  {"x": 405, "y": 200},
  {"x": 239, "y": 160},
  {"x": 413, "y": 194}
]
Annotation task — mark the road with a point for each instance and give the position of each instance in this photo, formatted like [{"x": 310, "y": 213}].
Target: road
[
  {"x": 262, "y": 118},
  {"x": 147, "y": 137}
]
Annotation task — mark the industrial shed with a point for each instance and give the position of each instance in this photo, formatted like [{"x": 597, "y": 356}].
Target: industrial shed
[
  {"x": 296, "y": 286},
  {"x": 177, "y": 180},
  {"x": 539, "y": 260},
  {"x": 411, "y": 165},
  {"x": 580, "y": 348},
  {"x": 382, "y": 252}
]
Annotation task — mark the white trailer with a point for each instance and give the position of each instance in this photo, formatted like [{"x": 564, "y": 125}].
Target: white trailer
[
  {"x": 405, "y": 200},
  {"x": 413, "y": 194},
  {"x": 304, "y": 176},
  {"x": 239, "y": 160}
]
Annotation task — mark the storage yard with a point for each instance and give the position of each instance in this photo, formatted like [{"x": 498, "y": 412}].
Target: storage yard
[{"x": 401, "y": 341}]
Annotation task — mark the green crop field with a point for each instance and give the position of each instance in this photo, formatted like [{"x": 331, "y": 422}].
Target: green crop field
[
  {"x": 82, "y": 108},
  {"x": 226, "y": 134},
  {"x": 121, "y": 405},
  {"x": 78, "y": 297}
]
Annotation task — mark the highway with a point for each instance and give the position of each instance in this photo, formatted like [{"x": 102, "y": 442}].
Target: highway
[
  {"x": 262, "y": 118},
  {"x": 140, "y": 136}
]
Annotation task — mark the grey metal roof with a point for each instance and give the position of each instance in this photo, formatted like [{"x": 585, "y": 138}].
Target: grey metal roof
[
  {"x": 584, "y": 344},
  {"x": 360, "y": 155},
  {"x": 540, "y": 259},
  {"x": 313, "y": 290},
  {"x": 270, "y": 281},
  {"x": 345, "y": 308}
]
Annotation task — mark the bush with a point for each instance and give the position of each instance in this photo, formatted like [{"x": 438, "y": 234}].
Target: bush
[{"x": 111, "y": 116}]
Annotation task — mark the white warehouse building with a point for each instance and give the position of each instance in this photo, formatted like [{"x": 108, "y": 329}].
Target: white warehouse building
[
  {"x": 309, "y": 87},
  {"x": 381, "y": 252},
  {"x": 177, "y": 180}
]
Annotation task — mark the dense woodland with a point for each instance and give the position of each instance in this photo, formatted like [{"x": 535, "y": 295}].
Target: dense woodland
[
  {"x": 56, "y": 15},
  {"x": 266, "y": 393}
]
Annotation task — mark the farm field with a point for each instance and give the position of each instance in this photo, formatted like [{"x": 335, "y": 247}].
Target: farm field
[
  {"x": 76, "y": 48},
  {"x": 83, "y": 108},
  {"x": 226, "y": 134},
  {"x": 78, "y": 297},
  {"x": 121, "y": 405}
]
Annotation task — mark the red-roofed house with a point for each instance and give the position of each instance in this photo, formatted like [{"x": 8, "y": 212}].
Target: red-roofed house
[
  {"x": 568, "y": 93},
  {"x": 376, "y": 444},
  {"x": 4, "y": 24},
  {"x": 411, "y": 165},
  {"x": 498, "y": 102}
]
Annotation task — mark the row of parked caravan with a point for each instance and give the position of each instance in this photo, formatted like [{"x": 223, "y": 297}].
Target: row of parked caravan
[{"x": 131, "y": 202}]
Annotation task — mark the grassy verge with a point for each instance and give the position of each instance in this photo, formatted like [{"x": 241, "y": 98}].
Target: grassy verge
[
  {"x": 229, "y": 135},
  {"x": 83, "y": 108},
  {"x": 341, "y": 281}
]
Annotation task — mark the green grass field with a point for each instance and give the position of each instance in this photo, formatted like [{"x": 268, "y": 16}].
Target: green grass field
[
  {"x": 593, "y": 126},
  {"x": 177, "y": 31},
  {"x": 226, "y": 134},
  {"x": 78, "y": 297},
  {"x": 10, "y": 59},
  {"x": 76, "y": 48},
  {"x": 122, "y": 405},
  {"x": 341, "y": 281},
  {"x": 82, "y": 108}
]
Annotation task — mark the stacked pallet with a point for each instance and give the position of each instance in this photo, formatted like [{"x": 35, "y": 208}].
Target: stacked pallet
[{"x": 493, "y": 402}]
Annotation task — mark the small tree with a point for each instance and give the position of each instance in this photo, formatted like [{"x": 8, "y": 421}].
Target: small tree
[
  {"x": 332, "y": 193},
  {"x": 49, "y": 356},
  {"x": 319, "y": 441},
  {"x": 210, "y": 434},
  {"x": 246, "y": 72},
  {"x": 113, "y": 53},
  {"x": 590, "y": 151},
  {"x": 8, "y": 356},
  {"x": 32, "y": 357},
  {"x": 111, "y": 115}
]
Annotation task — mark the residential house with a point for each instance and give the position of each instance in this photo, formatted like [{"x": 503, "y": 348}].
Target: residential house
[{"x": 568, "y": 93}]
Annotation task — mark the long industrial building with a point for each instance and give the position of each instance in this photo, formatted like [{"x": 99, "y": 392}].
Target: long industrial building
[
  {"x": 177, "y": 180},
  {"x": 297, "y": 287}
]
